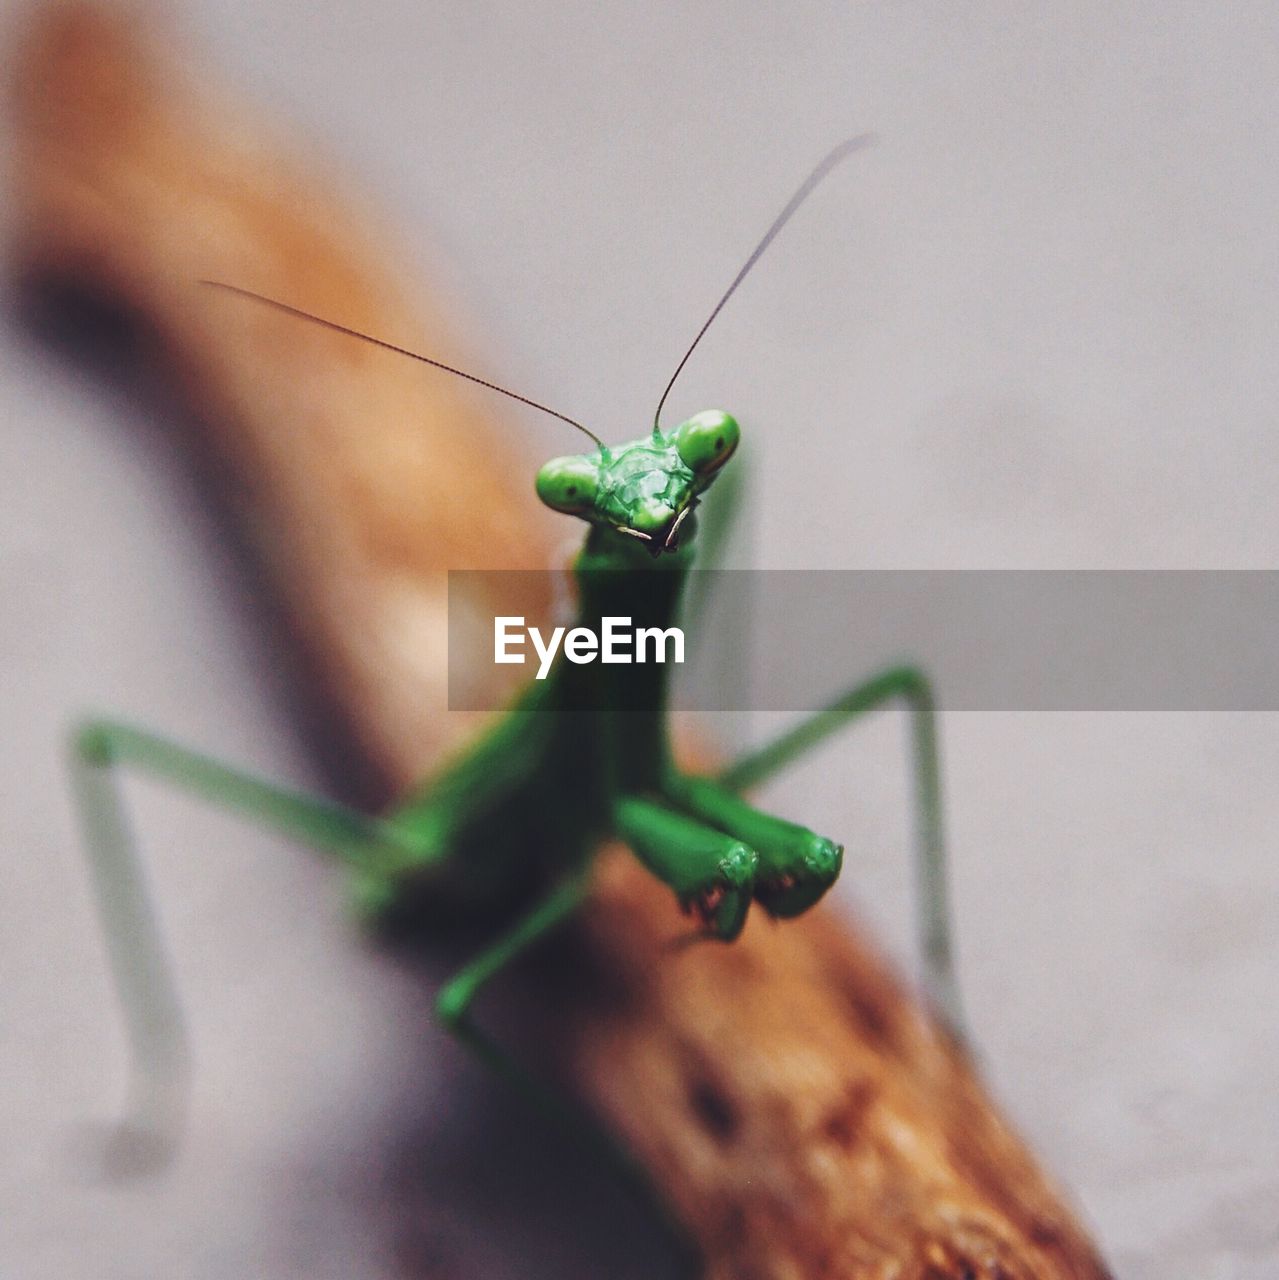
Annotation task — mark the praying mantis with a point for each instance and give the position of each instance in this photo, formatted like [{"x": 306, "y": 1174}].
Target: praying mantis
[{"x": 576, "y": 758}]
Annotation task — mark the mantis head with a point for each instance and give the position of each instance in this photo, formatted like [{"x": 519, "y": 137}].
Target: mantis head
[{"x": 647, "y": 488}]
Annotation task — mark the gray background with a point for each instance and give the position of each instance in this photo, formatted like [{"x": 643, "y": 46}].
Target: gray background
[{"x": 1035, "y": 327}]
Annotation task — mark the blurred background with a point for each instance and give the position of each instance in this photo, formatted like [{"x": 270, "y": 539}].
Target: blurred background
[{"x": 1034, "y": 327}]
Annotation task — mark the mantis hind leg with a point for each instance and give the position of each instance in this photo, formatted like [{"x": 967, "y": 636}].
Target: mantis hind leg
[
  {"x": 910, "y": 685},
  {"x": 453, "y": 1008},
  {"x": 453, "y": 1003},
  {"x": 156, "y": 1095}
]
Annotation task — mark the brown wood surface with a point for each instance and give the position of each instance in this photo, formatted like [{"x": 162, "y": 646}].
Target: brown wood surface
[{"x": 803, "y": 1115}]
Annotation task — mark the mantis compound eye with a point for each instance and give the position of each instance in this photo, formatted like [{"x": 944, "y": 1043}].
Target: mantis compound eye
[
  {"x": 707, "y": 440},
  {"x": 568, "y": 484}
]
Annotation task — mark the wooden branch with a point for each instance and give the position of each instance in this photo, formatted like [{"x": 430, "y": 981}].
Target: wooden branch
[{"x": 803, "y": 1114}]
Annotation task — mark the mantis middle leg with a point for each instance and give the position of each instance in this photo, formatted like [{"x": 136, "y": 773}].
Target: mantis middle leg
[
  {"x": 910, "y": 685},
  {"x": 381, "y": 852}
]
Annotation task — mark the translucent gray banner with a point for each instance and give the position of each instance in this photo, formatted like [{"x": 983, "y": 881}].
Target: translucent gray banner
[{"x": 1054, "y": 640}]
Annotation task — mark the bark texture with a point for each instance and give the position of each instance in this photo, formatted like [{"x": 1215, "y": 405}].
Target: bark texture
[{"x": 805, "y": 1117}]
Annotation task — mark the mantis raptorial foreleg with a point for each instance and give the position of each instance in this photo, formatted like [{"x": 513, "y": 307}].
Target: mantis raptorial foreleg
[
  {"x": 709, "y": 869},
  {"x": 910, "y": 685}
]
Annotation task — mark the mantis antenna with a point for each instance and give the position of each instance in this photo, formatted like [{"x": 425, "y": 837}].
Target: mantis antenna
[
  {"x": 805, "y": 189},
  {"x": 402, "y": 351}
]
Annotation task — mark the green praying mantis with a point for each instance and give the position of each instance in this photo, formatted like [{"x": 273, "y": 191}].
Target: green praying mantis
[{"x": 578, "y": 757}]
